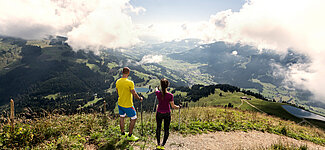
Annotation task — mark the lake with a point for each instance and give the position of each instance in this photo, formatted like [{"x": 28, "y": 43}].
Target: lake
[
  {"x": 142, "y": 90},
  {"x": 300, "y": 113}
]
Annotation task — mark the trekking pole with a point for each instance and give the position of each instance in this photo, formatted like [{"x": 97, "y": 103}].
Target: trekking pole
[
  {"x": 141, "y": 121},
  {"x": 153, "y": 111},
  {"x": 179, "y": 116}
]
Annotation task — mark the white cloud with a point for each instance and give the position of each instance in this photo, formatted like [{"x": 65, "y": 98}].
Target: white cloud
[
  {"x": 106, "y": 26},
  {"x": 280, "y": 25},
  {"x": 88, "y": 24},
  {"x": 271, "y": 24},
  {"x": 151, "y": 59},
  {"x": 207, "y": 31}
]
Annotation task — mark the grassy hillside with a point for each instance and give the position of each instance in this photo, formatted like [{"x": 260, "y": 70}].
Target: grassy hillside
[
  {"x": 43, "y": 68},
  {"x": 262, "y": 106},
  {"x": 37, "y": 72},
  {"x": 100, "y": 132},
  {"x": 47, "y": 78},
  {"x": 9, "y": 53}
]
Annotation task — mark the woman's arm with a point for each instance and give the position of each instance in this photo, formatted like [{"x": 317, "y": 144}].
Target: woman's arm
[{"x": 173, "y": 105}]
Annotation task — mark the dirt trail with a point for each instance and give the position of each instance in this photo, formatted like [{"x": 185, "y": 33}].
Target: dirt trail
[
  {"x": 241, "y": 103},
  {"x": 231, "y": 141},
  {"x": 254, "y": 107}
]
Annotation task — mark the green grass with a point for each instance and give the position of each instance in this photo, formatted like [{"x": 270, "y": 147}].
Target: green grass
[
  {"x": 215, "y": 99},
  {"x": 145, "y": 77},
  {"x": 278, "y": 93},
  {"x": 191, "y": 71},
  {"x": 9, "y": 56},
  {"x": 79, "y": 130},
  {"x": 112, "y": 65},
  {"x": 54, "y": 53},
  {"x": 147, "y": 81},
  {"x": 270, "y": 91},
  {"x": 80, "y": 61},
  {"x": 54, "y": 96},
  {"x": 177, "y": 70},
  {"x": 253, "y": 90},
  {"x": 225, "y": 99},
  {"x": 271, "y": 108},
  {"x": 183, "y": 94},
  {"x": 92, "y": 67},
  {"x": 40, "y": 43},
  {"x": 201, "y": 120},
  {"x": 92, "y": 102}
]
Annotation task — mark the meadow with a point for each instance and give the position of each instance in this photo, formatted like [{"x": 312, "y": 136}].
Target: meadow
[
  {"x": 101, "y": 131},
  {"x": 262, "y": 106}
]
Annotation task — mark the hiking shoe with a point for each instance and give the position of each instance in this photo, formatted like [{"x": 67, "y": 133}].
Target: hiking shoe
[
  {"x": 162, "y": 147},
  {"x": 158, "y": 147},
  {"x": 125, "y": 135},
  {"x": 132, "y": 138}
]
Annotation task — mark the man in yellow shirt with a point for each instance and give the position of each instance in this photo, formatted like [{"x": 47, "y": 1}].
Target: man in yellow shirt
[{"x": 125, "y": 90}]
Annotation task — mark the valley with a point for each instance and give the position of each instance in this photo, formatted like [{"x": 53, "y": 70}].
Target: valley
[
  {"x": 51, "y": 67},
  {"x": 47, "y": 79}
]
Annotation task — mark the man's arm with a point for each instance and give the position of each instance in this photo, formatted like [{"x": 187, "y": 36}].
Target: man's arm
[{"x": 135, "y": 94}]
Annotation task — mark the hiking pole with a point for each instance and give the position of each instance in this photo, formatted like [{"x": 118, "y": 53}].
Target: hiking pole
[
  {"x": 179, "y": 119},
  {"x": 153, "y": 111},
  {"x": 179, "y": 116},
  {"x": 141, "y": 121}
]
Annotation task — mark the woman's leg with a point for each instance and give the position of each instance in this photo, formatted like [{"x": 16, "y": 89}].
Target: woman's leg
[
  {"x": 158, "y": 130},
  {"x": 167, "y": 119}
]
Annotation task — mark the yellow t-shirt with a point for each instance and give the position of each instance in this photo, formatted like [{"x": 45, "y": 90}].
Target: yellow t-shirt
[{"x": 124, "y": 87}]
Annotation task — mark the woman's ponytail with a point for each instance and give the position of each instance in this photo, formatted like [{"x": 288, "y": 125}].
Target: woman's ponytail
[{"x": 164, "y": 84}]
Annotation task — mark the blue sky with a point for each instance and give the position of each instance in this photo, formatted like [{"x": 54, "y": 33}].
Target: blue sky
[{"x": 181, "y": 10}]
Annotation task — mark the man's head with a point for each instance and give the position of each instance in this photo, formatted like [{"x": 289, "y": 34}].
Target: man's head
[{"x": 126, "y": 71}]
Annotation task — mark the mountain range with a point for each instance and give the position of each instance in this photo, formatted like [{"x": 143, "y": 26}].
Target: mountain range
[{"x": 36, "y": 72}]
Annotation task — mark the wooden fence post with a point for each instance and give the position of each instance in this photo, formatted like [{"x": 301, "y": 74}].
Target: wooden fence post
[
  {"x": 12, "y": 114},
  {"x": 104, "y": 107}
]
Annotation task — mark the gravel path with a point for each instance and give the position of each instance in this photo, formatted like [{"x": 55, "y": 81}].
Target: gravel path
[{"x": 231, "y": 141}]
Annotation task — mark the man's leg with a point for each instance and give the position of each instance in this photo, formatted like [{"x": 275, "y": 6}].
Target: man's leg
[
  {"x": 132, "y": 123},
  {"x": 133, "y": 115},
  {"x": 122, "y": 116},
  {"x": 122, "y": 124},
  {"x": 131, "y": 137}
]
